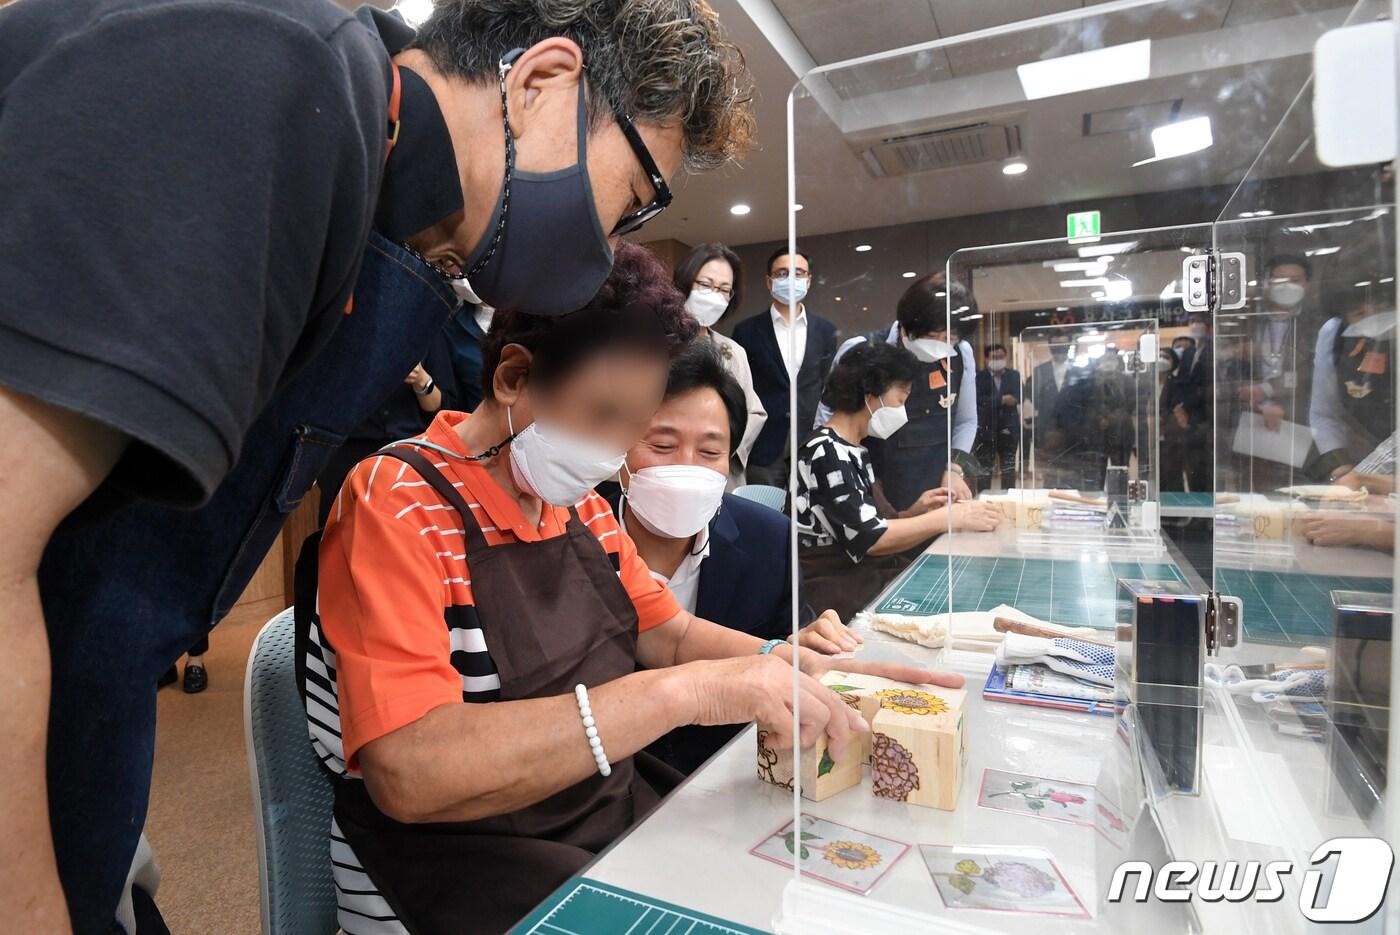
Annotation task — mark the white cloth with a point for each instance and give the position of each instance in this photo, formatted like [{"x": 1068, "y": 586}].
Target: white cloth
[
  {"x": 792, "y": 338},
  {"x": 684, "y": 583},
  {"x": 736, "y": 361}
]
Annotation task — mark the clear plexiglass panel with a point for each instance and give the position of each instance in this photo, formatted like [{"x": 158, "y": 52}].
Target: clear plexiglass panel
[{"x": 1026, "y": 449}]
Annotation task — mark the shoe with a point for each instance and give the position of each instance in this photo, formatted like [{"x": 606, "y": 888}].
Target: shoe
[
  {"x": 196, "y": 680},
  {"x": 171, "y": 676}
]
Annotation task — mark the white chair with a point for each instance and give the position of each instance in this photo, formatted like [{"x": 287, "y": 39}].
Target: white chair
[
  {"x": 775, "y": 498},
  {"x": 291, "y": 795}
]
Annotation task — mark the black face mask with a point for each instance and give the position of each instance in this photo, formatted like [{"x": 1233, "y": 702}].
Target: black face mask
[{"x": 552, "y": 255}]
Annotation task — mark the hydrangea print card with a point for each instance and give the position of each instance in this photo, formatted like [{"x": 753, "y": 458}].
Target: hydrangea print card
[
  {"x": 1042, "y": 798},
  {"x": 1001, "y": 879},
  {"x": 853, "y": 860}
]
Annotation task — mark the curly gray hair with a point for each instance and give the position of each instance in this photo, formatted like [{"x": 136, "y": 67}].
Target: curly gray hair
[{"x": 661, "y": 61}]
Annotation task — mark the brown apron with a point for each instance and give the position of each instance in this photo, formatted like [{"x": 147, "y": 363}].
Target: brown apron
[
  {"x": 554, "y": 614},
  {"x": 832, "y": 581}
]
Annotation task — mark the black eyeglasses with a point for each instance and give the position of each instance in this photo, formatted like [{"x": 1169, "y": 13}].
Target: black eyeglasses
[{"x": 662, "y": 201}]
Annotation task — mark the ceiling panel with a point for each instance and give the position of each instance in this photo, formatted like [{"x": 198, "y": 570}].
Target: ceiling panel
[
  {"x": 833, "y": 32},
  {"x": 1244, "y": 12},
  {"x": 903, "y": 71},
  {"x": 955, "y": 17}
]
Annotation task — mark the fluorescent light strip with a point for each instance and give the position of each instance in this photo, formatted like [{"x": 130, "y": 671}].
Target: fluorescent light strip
[{"x": 1084, "y": 71}]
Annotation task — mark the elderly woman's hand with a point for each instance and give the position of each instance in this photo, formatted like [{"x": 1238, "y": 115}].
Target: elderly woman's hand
[
  {"x": 974, "y": 516},
  {"x": 759, "y": 688}
]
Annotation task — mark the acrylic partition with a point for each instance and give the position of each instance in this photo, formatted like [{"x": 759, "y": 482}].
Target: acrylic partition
[{"x": 1155, "y": 539}]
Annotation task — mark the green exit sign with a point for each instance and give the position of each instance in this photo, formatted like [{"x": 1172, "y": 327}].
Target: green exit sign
[{"x": 1082, "y": 225}]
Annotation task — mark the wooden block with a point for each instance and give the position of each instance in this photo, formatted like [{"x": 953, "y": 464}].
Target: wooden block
[
  {"x": 918, "y": 745},
  {"x": 1031, "y": 511},
  {"x": 858, "y": 690},
  {"x": 822, "y": 775}
]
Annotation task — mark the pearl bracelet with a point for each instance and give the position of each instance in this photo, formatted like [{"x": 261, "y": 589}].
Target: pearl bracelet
[{"x": 590, "y": 730}]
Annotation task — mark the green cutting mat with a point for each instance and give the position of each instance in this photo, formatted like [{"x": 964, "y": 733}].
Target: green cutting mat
[
  {"x": 1279, "y": 607},
  {"x": 1286, "y": 607},
  {"x": 584, "y": 907},
  {"x": 1072, "y": 592},
  {"x": 1176, "y": 499}
]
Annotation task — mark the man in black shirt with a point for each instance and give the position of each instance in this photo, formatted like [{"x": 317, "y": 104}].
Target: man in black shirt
[{"x": 187, "y": 188}]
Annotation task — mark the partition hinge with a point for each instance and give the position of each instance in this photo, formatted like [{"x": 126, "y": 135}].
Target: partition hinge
[
  {"x": 1213, "y": 282},
  {"x": 1222, "y": 621}
]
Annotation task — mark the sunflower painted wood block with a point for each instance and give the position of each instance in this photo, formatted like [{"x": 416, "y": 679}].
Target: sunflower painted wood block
[{"x": 918, "y": 749}]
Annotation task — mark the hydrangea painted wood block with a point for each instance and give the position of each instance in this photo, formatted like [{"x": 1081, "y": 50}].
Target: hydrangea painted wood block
[{"x": 918, "y": 746}]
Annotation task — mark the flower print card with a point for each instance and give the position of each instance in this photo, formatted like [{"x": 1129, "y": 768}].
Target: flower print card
[
  {"x": 853, "y": 860},
  {"x": 1001, "y": 879},
  {"x": 1040, "y": 798}
]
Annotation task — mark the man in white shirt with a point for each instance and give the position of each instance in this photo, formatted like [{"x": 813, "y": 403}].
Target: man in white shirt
[{"x": 785, "y": 343}]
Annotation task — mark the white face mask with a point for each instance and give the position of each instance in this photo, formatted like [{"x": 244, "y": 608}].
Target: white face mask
[
  {"x": 706, "y": 306},
  {"x": 790, "y": 291},
  {"x": 1165, "y": 366},
  {"x": 483, "y": 315},
  {"x": 463, "y": 289},
  {"x": 1286, "y": 294},
  {"x": 1372, "y": 326},
  {"x": 886, "y": 420},
  {"x": 996, "y": 364},
  {"x": 929, "y": 350},
  {"x": 556, "y": 466},
  {"x": 675, "y": 500}
]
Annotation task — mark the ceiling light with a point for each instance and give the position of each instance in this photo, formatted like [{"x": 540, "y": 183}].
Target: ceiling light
[
  {"x": 838, "y": 298},
  {"x": 1099, "y": 267},
  {"x": 1014, "y": 168},
  {"x": 864, "y": 248},
  {"x": 1263, "y": 213},
  {"x": 1105, "y": 249},
  {"x": 414, "y": 12},
  {"x": 960, "y": 309},
  {"x": 1062, "y": 308},
  {"x": 909, "y": 274},
  {"x": 973, "y": 317},
  {"x": 865, "y": 308},
  {"x": 1322, "y": 251},
  {"x": 1119, "y": 289},
  {"x": 1254, "y": 282},
  {"x": 1100, "y": 295},
  {"x": 939, "y": 295},
  {"x": 1386, "y": 279},
  {"x": 1074, "y": 283},
  {"x": 740, "y": 209},
  {"x": 797, "y": 207},
  {"x": 1363, "y": 284},
  {"x": 1084, "y": 71},
  {"x": 1180, "y": 139}
]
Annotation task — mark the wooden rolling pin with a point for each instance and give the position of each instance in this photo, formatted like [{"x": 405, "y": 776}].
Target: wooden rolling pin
[
  {"x": 1075, "y": 498},
  {"x": 1007, "y": 625}
]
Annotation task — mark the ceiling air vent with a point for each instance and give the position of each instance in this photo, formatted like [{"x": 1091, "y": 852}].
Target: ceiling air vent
[{"x": 947, "y": 148}]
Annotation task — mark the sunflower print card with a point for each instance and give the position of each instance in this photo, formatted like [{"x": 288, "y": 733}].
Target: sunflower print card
[
  {"x": 836, "y": 854},
  {"x": 1001, "y": 879},
  {"x": 1040, "y": 798}
]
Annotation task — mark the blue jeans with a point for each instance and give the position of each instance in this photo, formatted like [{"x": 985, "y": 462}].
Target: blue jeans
[{"x": 128, "y": 586}]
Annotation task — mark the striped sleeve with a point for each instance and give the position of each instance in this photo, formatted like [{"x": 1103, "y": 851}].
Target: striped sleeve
[
  {"x": 654, "y": 602},
  {"x": 381, "y": 600}
]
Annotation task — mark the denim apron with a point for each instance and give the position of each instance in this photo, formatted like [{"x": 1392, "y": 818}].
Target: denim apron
[{"x": 156, "y": 579}]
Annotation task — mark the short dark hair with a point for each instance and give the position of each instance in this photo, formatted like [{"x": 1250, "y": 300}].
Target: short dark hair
[
  {"x": 921, "y": 309},
  {"x": 689, "y": 268},
  {"x": 994, "y": 347},
  {"x": 1184, "y": 337},
  {"x": 1289, "y": 259},
  {"x": 699, "y": 366},
  {"x": 868, "y": 369},
  {"x": 661, "y": 61},
  {"x": 784, "y": 251},
  {"x": 636, "y": 307}
]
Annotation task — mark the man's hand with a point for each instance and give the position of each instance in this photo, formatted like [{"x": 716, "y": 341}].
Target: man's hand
[
  {"x": 1340, "y": 529},
  {"x": 418, "y": 378},
  {"x": 817, "y": 666},
  {"x": 957, "y": 485},
  {"x": 1273, "y": 416},
  {"x": 827, "y": 634},
  {"x": 51, "y": 460},
  {"x": 1179, "y": 414},
  {"x": 1253, "y": 393},
  {"x": 1007, "y": 399}
]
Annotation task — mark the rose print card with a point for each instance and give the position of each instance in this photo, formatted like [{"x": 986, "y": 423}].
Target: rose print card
[
  {"x": 853, "y": 860},
  {"x": 1001, "y": 879},
  {"x": 1041, "y": 798}
]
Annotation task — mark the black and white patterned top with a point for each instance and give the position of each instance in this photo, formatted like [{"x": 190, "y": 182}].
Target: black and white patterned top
[{"x": 835, "y": 502}]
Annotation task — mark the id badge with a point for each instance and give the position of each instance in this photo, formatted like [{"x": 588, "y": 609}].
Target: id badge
[{"x": 1290, "y": 381}]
